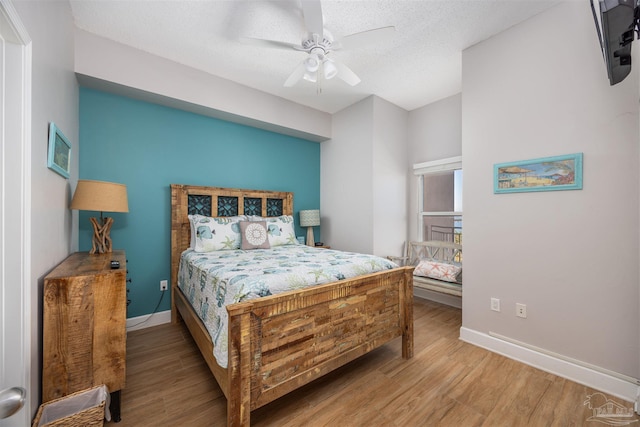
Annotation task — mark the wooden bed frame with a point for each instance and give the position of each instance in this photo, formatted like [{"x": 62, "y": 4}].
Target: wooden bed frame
[{"x": 282, "y": 342}]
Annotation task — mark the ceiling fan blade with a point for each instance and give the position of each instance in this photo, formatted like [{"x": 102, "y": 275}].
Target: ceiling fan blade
[
  {"x": 346, "y": 74},
  {"x": 295, "y": 77},
  {"x": 365, "y": 38},
  {"x": 312, "y": 12},
  {"x": 270, "y": 43}
]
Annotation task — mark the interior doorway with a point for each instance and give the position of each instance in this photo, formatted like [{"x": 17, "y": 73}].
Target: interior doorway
[{"x": 15, "y": 210}]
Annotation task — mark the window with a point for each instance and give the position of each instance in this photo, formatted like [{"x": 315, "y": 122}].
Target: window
[{"x": 440, "y": 199}]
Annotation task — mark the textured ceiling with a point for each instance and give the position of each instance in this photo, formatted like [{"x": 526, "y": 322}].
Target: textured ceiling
[{"x": 420, "y": 64}]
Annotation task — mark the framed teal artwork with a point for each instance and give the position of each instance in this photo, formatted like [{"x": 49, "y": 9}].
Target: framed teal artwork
[
  {"x": 545, "y": 174},
  {"x": 59, "y": 158}
]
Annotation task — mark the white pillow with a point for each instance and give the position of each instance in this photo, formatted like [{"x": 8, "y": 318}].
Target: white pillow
[
  {"x": 281, "y": 230},
  {"x": 437, "y": 270},
  {"x": 214, "y": 234}
]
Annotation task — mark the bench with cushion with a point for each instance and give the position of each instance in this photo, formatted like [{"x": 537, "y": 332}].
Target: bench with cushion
[{"x": 438, "y": 266}]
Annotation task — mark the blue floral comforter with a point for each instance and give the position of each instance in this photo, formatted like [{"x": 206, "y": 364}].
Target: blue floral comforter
[{"x": 213, "y": 280}]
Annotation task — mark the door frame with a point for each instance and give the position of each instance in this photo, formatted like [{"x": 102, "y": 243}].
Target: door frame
[{"x": 15, "y": 206}]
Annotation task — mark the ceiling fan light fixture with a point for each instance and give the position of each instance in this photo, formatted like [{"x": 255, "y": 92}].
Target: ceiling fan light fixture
[
  {"x": 329, "y": 69},
  {"x": 318, "y": 43},
  {"x": 312, "y": 63},
  {"x": 311, "y": 77}
]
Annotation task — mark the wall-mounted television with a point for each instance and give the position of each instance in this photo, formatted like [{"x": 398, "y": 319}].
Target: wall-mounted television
[{"x": 616, "y": 22}]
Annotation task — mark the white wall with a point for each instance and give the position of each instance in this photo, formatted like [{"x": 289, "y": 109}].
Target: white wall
[
  {"x": 434, "y": 133},
  {"x": 346, "y": 189},
  {"x": 363, "y": 179},
  {"x": 435, "y": 130},
  {"x": 55, "y": 98},
  {"x": 389, "y": 178},
  {"x": 540, "y": 89},
  {"x": 113, "y": 67}
]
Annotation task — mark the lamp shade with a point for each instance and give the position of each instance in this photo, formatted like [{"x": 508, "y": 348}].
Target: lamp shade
[
  {"x": 310, "y": 77},
  {"x": 310, "y": 218},
  {"x": 100, "y": 196},
  {"x": 312, "y": 63},
  {"x": 329, "y": 69}
]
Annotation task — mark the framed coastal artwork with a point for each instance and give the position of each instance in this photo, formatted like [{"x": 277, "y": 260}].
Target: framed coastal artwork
[
  {"x": 545, "y": 174},
  {"x": 59, "y": 158}
]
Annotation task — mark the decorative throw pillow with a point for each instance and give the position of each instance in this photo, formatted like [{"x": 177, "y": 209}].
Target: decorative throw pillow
[
  {"x": 214, "y": 234},
  {"x": 437, "y": 270},
  {"x": 281, "y": 230},
  {"x": 254, "y": 235},
  {"x": 192, "y": 244}
]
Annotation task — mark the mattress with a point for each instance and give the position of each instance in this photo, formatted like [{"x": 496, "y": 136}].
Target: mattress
[{"x": 212, "y": 280}]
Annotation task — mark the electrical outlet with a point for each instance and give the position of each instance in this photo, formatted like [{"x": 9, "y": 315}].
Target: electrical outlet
[
  {"x": 495, "y": 304},
  {"x": 163, "y": 285},
  {"x": 521, "y": 310}
]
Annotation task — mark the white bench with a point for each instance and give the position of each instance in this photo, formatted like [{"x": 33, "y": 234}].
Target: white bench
[{"x": 446, "y": 252}]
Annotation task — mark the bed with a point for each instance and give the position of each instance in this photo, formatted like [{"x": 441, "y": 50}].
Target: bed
[{"x": 281, "y": 342}]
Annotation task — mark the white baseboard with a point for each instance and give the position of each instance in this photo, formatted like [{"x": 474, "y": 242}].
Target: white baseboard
[
  {"x": 148, "y": 320},
  {"x": 615, "y": 384},
  {"x": 446, "y": 299}
]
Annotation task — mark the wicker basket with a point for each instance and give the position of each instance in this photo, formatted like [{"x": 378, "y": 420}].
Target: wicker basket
[{"x": 84, "y": 408}]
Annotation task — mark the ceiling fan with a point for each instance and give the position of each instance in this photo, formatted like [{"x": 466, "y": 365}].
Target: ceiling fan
[{"x": 318, "y": 43}]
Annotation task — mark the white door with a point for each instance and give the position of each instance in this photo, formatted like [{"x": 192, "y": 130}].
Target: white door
[{"x": 15, "y": 213}]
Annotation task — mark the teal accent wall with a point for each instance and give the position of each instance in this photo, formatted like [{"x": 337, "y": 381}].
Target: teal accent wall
[{"x": 148, "y": 147}]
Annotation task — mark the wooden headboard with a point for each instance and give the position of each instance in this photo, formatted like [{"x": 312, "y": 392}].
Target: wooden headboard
[{"x": 216, "y": 201}]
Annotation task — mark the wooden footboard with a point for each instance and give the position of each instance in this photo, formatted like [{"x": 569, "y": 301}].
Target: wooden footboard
[{"x": 281, "y": 342}]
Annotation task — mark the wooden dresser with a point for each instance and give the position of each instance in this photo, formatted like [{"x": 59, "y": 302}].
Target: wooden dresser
[{"x": 84, "y": 326}]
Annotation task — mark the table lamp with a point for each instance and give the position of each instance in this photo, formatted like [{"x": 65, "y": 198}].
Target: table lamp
[
  {"x": 310, "y": 219},
  {"x": 104, "y": 197}
]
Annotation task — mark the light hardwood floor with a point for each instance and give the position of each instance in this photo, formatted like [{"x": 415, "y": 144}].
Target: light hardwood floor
[{"x": 447, "y": 383}]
